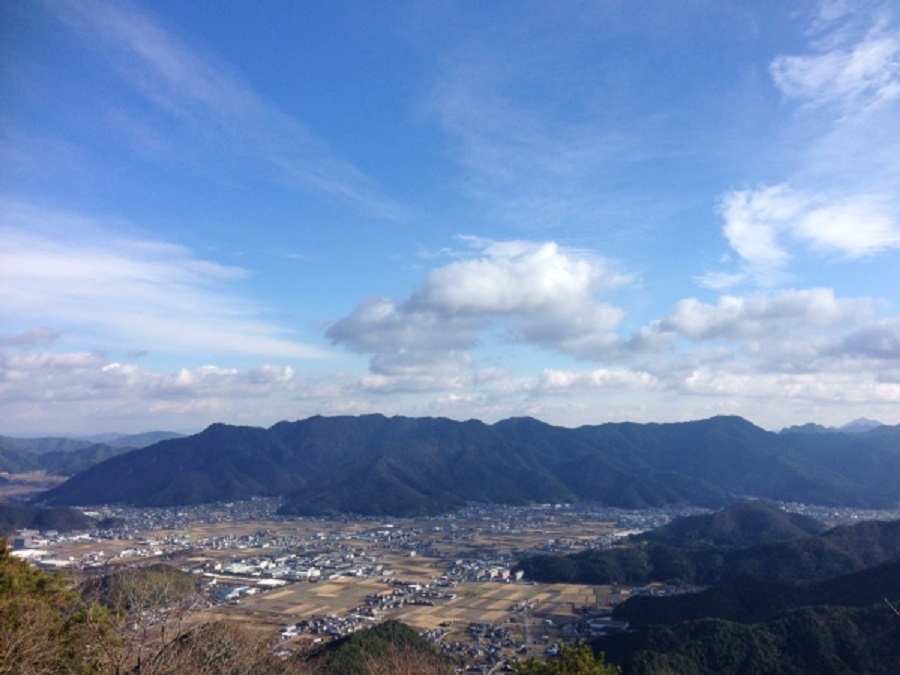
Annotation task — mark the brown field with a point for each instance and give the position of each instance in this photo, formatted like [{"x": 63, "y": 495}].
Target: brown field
[
  {"x": 297, "y": 601},
  {"x": 474, "y": 603},
  {"x": 22, "y": 484},
  {"x": 492, "y": 603}
]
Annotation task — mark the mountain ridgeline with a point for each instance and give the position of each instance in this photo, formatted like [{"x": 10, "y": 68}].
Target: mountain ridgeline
[
  {"x": 66, "y": 462},
  {"x": 68, "y": 456},
  {"x": 413, "y": 466}
]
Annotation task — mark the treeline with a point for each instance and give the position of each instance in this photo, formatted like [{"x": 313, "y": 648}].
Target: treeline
[
  {"x": 14, "y": 516},
  {"x": 821, "y": 640},
  {"x": 750, "y": 600},
  {"x": 842, "y": 550}
]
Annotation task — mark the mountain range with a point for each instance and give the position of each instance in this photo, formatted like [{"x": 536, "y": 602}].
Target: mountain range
[
  {"x": 377, "y": 465},
  {"x": 68, "y": 456},
  {"x": 857, "y": 426}
]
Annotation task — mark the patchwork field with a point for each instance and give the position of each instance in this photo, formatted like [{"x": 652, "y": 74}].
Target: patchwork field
[
  {"x": 301, "y": 600},
  {"x": 494, "y": 603}
]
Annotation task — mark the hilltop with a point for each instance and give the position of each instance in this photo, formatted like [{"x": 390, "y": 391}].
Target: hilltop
[{"x": 744, "y": 523}]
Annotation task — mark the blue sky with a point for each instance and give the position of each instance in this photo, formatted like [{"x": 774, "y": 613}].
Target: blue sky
[{"x": 578, "y": 211}]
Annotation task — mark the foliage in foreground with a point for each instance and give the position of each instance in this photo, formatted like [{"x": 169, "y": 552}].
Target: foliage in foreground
[
  {"x": 44, "y": 626},
  {"x": 136, "y": 621},
  {"x": 572, "y": 660},
  {"x": 370, "y": 650}
]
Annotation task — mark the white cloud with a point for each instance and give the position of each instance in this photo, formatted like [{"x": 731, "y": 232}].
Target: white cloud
[
  {"x": 840, "y": 196},
  {"x": 753, "y": 219},
  {"x": 127, "y": 293},
  {"x": 513, "y": 277},
  {"x": 857, "y": 226},
  {"x": 718, "y": 281},
  {"x": 877, "y": 341},
  {"x": 864, "y": 73},
  {"x": 832, "y": 388},
  {"x": 760, "y": 223},
  {"x": 601, "y": 378},
  {"x": 765, "y": 314},
  {"x": 541, "y": 293}
]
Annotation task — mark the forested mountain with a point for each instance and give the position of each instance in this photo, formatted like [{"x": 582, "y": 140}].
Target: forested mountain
[
  {"x": 66, "y": 462},
  {"x": 749, "y": 600},
  {"x": 16, "y": 461},
  {"x": 821, "y": 640},
  {"x": 841, "y": 550},
  {"x": 403, "y": 466},
  {"x": 139, "y": 440},
  {"x": 744, "y": 523},
  {"x": 47, "y": 444}
]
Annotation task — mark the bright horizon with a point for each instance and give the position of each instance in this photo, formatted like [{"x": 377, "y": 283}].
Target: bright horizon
[{"x": 579, "y": 213}]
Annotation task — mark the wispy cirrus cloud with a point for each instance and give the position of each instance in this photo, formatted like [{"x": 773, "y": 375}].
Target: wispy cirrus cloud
[
  {"x": 203, "y": 94},
  {"x": 840, "y": 199},
  {"x": 71, "y": 270},
  {"x": 861, "y": 74}
]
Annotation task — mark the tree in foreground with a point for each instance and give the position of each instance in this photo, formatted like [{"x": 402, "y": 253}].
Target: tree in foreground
[
  {"x": 572, "y": 660},
  {"x": 44, "y": 625}
]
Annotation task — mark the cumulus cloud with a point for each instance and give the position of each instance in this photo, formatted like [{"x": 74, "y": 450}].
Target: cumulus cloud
[
  {"x": 542, "y": 294},
  {"x": 878, "y": 341},
  {"x": 601, "y": 378},
  {"x": 127, "y": 293},
  {"x": 765, "y": 314}
]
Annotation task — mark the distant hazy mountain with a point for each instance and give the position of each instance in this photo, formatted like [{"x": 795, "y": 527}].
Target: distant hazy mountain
[
  {"x": 860, "y": 425},
  {"x": 48, "y": 444},
  {"x": 404, "y": 466},
  {"x": 141, "y": 440},
  {"x": 17, "y": 461},
  {"x": 68, "y": 456},
  {"x": 65, "y": 462},
  {"x": 857, "y": 426}
]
